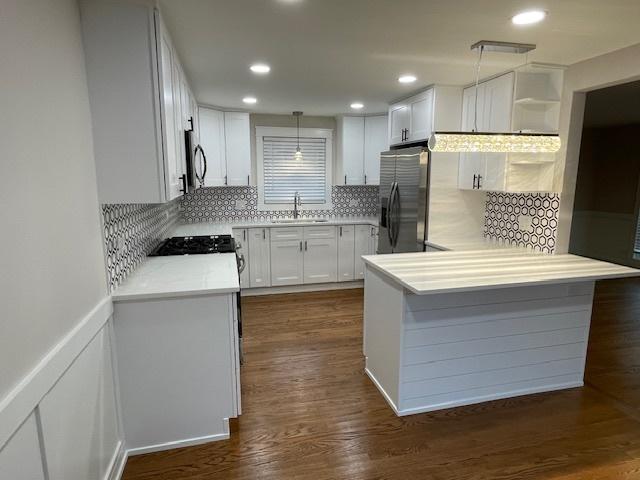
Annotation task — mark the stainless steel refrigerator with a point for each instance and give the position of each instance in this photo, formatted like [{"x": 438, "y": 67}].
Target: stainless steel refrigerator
[{"x": 403, "y": 210}]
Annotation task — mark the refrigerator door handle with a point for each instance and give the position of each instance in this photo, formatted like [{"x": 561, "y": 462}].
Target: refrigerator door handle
[
  {"x": 389, "y": 214},
  {"x": 395, "y": 207}
]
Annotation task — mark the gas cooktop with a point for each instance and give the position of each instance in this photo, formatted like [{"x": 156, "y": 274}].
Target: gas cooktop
[{"x": 196, "y": 245}]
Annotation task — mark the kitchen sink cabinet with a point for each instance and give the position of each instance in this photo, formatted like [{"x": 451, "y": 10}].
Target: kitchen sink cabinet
[{"x": 301, "y": 255}]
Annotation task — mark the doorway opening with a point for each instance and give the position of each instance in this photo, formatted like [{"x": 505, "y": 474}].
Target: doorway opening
[{"x": 605, "y": 214}]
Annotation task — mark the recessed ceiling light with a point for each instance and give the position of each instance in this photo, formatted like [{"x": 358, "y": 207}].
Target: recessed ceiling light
[
  {"x": 261, "y": 68},
  {"x": 250, "y": 100},
  {"x": 357, "y": 105},
  {"x": 407, "y": 79},
  {"x": 528, "y": 17}
]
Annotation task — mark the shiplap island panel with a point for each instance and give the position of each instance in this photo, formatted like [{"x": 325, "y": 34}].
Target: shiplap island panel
[{"x": 454, "y": 328}]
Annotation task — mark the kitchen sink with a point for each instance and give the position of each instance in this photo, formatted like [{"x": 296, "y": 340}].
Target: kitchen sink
[{"x": 299, "y": 220}]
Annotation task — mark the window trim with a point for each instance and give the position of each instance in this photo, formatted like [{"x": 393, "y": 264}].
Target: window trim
[{"x": 327, "y": 134}]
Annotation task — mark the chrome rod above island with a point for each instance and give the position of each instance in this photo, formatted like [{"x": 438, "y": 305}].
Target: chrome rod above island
[{"x": 446, "y": 329}]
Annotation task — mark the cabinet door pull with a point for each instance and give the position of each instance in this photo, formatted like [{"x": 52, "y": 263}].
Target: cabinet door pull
[
  {"x": 340, "y": 231},
  {"x": 248, "y": 180},
  {"x": 345, "y": 179},
  {"x": 479, "y": 184},
  {"x": 264, "y": 234},
  {"x": 365, "y": 179},
  {"x": 244, "y": 235},
  {"x": 225, "y": 180},
  {"x": 300, "y": 245},
  {"x": 305, "y": 245},
  {"x": 474, "y": 181}
]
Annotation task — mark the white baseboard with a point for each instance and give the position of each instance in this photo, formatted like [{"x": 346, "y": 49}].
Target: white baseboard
[
  {"x": 117, "y": 464},
  {"x": 489, "y": 398},
  {"x": 26, "y": 396},
  {"x": 382, "y": 391},
  {"x": 316, "y": 287},
  {"x": 190, "y": 442}
]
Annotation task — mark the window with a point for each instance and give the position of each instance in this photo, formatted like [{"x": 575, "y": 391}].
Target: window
[{"x": 280, "y": 176}]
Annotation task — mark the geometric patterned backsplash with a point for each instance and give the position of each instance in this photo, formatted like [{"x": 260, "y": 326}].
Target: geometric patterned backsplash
[
  {"x": 218, "y": 204},
  {"x": 131, "y": 232},
  {"x": 502, "y": 217}
]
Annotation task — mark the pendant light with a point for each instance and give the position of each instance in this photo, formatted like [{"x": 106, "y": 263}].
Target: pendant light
[
  {"x": 298, "y": 155},
  {"x": 494, "y": 142}
]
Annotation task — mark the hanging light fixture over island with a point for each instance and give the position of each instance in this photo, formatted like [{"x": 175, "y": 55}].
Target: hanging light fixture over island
[
  {"x": 494, "y": 142},
  {"x": 488, "y": 142}
]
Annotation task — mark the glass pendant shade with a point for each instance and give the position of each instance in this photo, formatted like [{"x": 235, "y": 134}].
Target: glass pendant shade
[
  {"x": 488, "y": 142},
  {"x": 298, "y": 155}
]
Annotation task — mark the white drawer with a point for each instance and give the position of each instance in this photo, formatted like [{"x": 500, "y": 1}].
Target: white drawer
[
  {"x": 286, "y": 233},
  {"x": 319, "y": 232}
]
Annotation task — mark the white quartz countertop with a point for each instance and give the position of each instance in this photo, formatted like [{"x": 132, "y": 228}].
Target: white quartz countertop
[
  {"x": 179, "y": 276},
  {"x": 213, "y": 228},
  {"x": 460, "y": 271}
]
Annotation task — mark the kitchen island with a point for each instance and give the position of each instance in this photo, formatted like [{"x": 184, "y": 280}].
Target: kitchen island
[{"x": 446, "y": 329}]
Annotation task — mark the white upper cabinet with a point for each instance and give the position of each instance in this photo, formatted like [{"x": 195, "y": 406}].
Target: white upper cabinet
[
  {"x": 352, "y": 150},
  {"x": 360, "y": 141},
  {"x": 376, "y": 142},
  {"x": 398, "y": 123},
  {"x": 412, "y": 119},
  {"x": 226, "y": 140},
  {"x": 135, "y": 82},
  {"x": 486, "y": 171},
  {"x": 211, "y": 123},
  {"x": 421, "y": 115},
  {"x": 237, "y": 138},
  {"x": 527, "y": 100}
]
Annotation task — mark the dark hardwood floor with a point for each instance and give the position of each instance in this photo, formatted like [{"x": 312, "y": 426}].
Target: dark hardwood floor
[
  {"x": 310, "y": 413},
  {"x": 613, "y": 359}
]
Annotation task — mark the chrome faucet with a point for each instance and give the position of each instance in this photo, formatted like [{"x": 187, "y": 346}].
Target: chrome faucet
[{"x": 296, "y": 203}]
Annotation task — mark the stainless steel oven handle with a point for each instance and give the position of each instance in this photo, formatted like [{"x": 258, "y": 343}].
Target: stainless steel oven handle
[{"x": 242, "y": 263}]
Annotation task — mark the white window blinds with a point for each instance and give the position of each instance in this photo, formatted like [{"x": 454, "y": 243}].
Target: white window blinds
[{"x": 283, "y": 175}]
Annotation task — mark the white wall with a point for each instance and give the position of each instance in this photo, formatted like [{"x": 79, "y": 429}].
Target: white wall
[
  {"x": 51, "y": 255},
  {"x": 610, "y": 69},
  {"x": 57, "y": 390}
]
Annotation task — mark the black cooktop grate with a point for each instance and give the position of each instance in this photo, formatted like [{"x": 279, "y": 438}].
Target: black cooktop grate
[{"x": 196, "y": 245}]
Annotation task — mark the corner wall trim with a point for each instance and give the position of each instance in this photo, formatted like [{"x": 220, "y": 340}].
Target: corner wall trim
[{"x": 26, "y": 396}]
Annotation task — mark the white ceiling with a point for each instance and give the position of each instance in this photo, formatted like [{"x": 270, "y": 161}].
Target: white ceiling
[{"x": 325, "y": 54}]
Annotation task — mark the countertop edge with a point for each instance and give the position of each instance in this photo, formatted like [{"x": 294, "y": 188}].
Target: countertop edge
[
  {"x": 131, "y": 297},
  {"x": 515, "y": 284}
]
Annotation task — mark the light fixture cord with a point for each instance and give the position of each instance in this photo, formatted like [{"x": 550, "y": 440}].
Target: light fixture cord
[
  {"x": 475, "y": 110},
  {"x": 298, "y": 130}
]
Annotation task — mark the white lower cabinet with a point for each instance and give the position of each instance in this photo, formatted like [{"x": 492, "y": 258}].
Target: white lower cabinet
[
  {"x": 184, "y": 352},
  {"x": 286, "y": 256},
  {"x": 293, "y": 255},
  {"x": 241, "y": 236},
  {"x": 365, "y": 244},
  {"x": 320, "y": 255},
  {"x": 346, "y": 249},
  {"x": 259, "y": 257}
]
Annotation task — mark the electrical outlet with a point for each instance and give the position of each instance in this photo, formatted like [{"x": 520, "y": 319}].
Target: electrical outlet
[
  {"x": 241, "y": 204},
  {"x": 121, "y": 245},
  {"x": 524, "y": 222}
]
